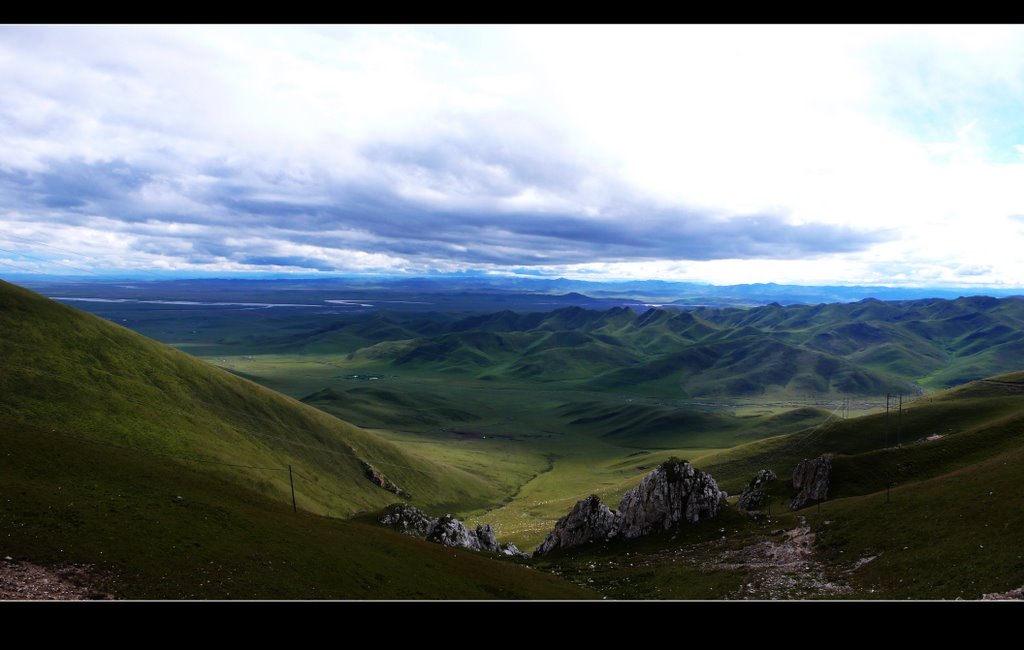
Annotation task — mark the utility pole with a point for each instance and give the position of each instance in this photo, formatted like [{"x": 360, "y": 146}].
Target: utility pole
[
  {"x": 899, "y": 421},
  {"x": 292, "y": 481},
  {"x": 886, "y": 426}
]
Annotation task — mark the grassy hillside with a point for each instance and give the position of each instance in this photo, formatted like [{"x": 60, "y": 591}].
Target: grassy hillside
[
  {"x": 951, "y": 524},
  {"x": 68, "y": 370},
  {"x": 149, "y": 527},
  {"x": 975, "y": 421}
]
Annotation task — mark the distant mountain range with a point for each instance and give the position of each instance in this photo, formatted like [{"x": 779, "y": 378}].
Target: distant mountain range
[
  {"x": 869, "y": 347},
  {"x": 500, "y": 288}
]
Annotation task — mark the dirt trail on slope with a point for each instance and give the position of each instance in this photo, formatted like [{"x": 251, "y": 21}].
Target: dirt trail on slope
[{"x": 782, "y": 566}]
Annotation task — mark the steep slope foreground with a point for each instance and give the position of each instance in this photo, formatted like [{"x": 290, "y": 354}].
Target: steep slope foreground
[{"x": 76, "y": 373}]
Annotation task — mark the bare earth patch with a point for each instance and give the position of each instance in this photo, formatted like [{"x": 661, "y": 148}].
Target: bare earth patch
[
  {"x": 1013, "y": 594},
  {"x": 28, "y": 581},
  {"x": 781, "y": 566}
]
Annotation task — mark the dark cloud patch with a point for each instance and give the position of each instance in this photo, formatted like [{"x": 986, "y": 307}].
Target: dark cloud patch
[
  {"x": 75, "y": 184},
  {"x": 289, "y": 260},
  {"x": 275, "y": 209},
  {"x": 532, "y": 238},
  {"x": 463, "y": 217}
]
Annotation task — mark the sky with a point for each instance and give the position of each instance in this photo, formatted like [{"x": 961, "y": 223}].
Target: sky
[{"x": 727, "y": 154}]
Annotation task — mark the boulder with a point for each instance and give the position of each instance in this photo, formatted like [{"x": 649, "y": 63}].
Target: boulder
[
  {"x": 513, "y": 551},
  {"x": 755, "y": 495},
  {"x": 588, "y": 520},
  {"x": 810, "y": 478}
]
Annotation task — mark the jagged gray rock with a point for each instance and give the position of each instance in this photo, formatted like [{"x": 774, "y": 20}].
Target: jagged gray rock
[
  {"x": 755, "y": 496},
  {"x": 674, "y": 491},
  {"x": 810, "y": 478},
  {"x": 409, "y": 520},
  {"x": 485, "y": 537},
  {"x": 449, "y": 531},
  {"x": 588, "y": 520},
  {"x": 446, "y": 530},
  {"x": 513, "y": 551}
]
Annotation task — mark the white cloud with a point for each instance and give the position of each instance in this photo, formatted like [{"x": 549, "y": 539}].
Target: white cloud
[{"x": 910, "y": 129}]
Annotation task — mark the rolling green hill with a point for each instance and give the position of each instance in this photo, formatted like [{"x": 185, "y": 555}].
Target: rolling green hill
[
  {"x": 865, "y": 348},
  {"x": 653, "y": 426},
  {"x": 72, "y": 371}
]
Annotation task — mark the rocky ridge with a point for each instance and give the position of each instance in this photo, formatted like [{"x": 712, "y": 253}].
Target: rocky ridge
[
  {"x": 445, "y": 530},
  {"x": 674, "y": 491}
]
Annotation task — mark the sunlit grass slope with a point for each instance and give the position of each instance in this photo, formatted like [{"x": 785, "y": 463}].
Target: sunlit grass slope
[{"x": 65, "y": 369}]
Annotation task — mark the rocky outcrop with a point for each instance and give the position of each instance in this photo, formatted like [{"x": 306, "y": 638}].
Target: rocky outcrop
[
  {"x": 810, "y": 478},
  {"x": 380, "y": 480},
  {"x": 486, "y": 539},
  {"x": 755, "y": 495},
  {"x": 449, "y": 531},
  {"x": 446, "y": 530},
  {"x": 675, "y": 491},
  {"x": 588, "y": 520},
  {"x": 408, "y": 520}
]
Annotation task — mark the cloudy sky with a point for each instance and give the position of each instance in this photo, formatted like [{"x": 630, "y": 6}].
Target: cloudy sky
[{"x": 813, "y": 155}]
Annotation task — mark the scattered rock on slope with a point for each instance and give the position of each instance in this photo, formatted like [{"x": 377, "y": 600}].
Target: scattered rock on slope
[
  {"x": 674, "y": 491},
  {"x": 1013, "y": 594},
  {"x": 810, "y": 478},
  {"x": 755, "y": 496},
  {"x": 380, "y": 480}
]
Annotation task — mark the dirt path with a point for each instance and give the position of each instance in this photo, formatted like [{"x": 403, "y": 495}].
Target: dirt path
[{"x": 28, "y": 581}]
